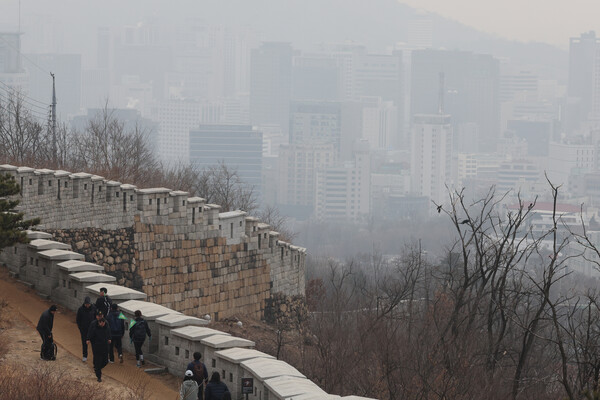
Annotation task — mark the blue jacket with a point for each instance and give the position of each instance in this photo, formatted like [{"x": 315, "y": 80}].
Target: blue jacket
[{"x": 117, "y": 326}]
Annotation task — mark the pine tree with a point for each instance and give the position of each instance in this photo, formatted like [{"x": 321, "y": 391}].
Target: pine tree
[{"x": 12, "y": 225}]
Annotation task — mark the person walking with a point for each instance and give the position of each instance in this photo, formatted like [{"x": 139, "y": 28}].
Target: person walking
[
  {"x": 215, "y": 388},
  {"x": 189, "y": 387},
  {"x": 137, "y": 334},
  {"x": 103, "y": 302},
  {"x": 117, "y": 330},
  {"x": 99, "y": 337},
  {"x": 85, "y": 315},
  {"x": 200, "y": 373},
  {"x": 44, "y": 328}
]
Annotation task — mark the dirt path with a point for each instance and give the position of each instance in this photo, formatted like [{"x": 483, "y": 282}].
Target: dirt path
[{"x": 66, "y": 334}]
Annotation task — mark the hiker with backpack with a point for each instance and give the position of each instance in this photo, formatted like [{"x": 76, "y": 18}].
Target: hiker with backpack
[
  {"x": 216, "y": 389},
  {"x": 200, "y": 372},
  {"x": 85, "y": 315},
  {"x": 117, "y": 330},
  {"x": 137, "y": 334},
  {"x": 99, "y": 337},
  {"x": 44, "y": 328},
  {"x": 189, "y": 387}
]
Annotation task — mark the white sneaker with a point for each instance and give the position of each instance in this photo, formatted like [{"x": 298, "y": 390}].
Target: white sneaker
[
  {"x": 112, "y": 362},
  {"x": 84, "y": 359}
]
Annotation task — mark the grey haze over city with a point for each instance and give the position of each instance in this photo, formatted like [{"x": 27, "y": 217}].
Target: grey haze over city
[{"x": 439, "y": 160}]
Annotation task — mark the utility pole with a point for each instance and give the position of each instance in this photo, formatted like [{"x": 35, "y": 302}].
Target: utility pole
[{"x": 53, "y": 120}]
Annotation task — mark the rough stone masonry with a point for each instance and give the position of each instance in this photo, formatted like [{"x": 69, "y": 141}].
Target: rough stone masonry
[{"x": 183, "y": 253}]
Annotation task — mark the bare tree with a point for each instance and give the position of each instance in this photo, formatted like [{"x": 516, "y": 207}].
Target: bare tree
[{"x": 220, "y": 184}]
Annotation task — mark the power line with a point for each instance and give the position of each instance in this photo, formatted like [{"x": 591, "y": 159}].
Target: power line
[
  {"x": 42, "y": 115},
  {"x": 10, "y": 88},
  {"x": 36, "y": 107},
  {"x": 24, "y": 56}
]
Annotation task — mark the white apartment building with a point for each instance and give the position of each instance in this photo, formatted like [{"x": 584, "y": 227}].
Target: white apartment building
[
  {"x": 431, "y": 156},
  {"x": 343, "y": 193}
]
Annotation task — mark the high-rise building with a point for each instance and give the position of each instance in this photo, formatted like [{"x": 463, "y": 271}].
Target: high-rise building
[
  {"x": 584, "y": 79},
  {"x": 431, "y": 156},
  {"x": 176, "y": 119},
  {"x": 298, "y": 166},
  {"x": 12, "y": 73},
  {"x": 237, "y": 146},
  {"x": 343, "y": 192},
  {"x": 271, "y": 84},
  {"x": 315, "y": 122},
  {"x": 470, "y": 90}
]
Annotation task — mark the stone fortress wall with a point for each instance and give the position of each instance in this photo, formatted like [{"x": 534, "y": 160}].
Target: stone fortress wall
[
  {"x": 181, "y": 252},
  {"x": 59, "y": 273}
]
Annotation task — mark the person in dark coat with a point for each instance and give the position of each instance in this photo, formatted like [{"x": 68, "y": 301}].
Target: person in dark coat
[
  {"x": 103, "y": 302},
  {"x": 85, "y": 315},
  {"x": 117, "y": 330},
  {"x": 137, "y": 334},
  {"x": 215, "y": 388},
  {"x": 99, "y": 337},
  {"x": 44, "y": 327},
  {"x": 200, "y": 372}
]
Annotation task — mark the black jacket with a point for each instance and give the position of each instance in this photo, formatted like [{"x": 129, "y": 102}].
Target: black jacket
[
  {"x": 85, "y": 316},
  {"x": 98, "y": 335},
  {"x": 215, "y": 391},
  {"x": 45, "y": 323},
  {"x": 103, "y": 304},
  {"x": 139, "y": 331}
]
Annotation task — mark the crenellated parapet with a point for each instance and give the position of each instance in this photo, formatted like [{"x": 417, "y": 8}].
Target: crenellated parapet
[{"x": 181, "y": 251}]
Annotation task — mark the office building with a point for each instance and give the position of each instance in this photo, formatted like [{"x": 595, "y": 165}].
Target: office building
[{"x": 237, "y": 146}]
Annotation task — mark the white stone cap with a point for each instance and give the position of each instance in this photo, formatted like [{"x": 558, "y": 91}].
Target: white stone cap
[
  {"x": 113, "y": 183},
  {"x": 252, "y": 219},
  {"x": 196, "y": 200},
  {"x": 97, "y": 178},
  {"x": 178, "y": 320},
  {"x": 196, "y": 333},
  {"x": 232, "y": 214},
  {"x": 274, "y": 233},
  {"x": 266, "y": 368},
  {"x": 237, "y": 355},
  {"x": 91, "y": 277},
  {"x": 38, "y": 235},
  {"x": 284, "y": 387},
  {"x": 226, "y": 342},
  {"x": 25, "y": 169},
  {"x": 81, "y": 175},
  {"x": 178, "y": 193},
  {"x": 150, "y": 311},
  {"x": 127, "y": 186},
  {"x": 116, "y": 292},
  {"x": 357, "y": 398},
  {"x": 60, "y": 173},
  {"x": 43, "y": 171},
  {"x": 45, "y": 244},
  {"x": 213, "y": 206},
  {"x": 154, "y": 190},
  {"x": 262, "y": 225},
  {"x": 79, "y": 266},
  {"x": 56, "y": 254},
  {"x": 316, "y": 396},
  {"x": 8, "y": 167}
]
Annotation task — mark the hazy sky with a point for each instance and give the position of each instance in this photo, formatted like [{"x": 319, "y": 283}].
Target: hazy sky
[{"x": 550, "y": 21}]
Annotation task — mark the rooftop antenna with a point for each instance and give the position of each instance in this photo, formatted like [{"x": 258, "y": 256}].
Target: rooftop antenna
[{"x": 441, "y": 95}]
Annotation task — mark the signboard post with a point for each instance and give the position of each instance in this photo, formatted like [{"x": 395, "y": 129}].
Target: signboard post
[{"x": 247, "y": 386}]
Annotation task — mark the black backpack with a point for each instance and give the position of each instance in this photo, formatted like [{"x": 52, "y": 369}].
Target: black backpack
[{"x": 49, "y": 350}]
